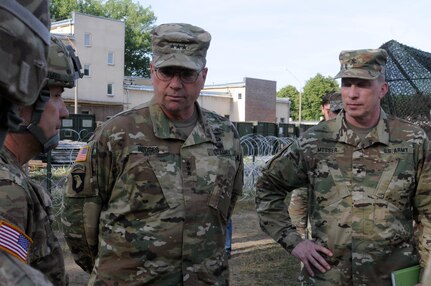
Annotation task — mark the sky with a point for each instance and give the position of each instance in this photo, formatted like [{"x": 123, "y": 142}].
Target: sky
[{"x": 289, "y": 41}]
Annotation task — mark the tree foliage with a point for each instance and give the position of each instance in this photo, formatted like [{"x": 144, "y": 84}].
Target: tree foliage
[
  {"x": 292, "y": 93},
  {"x": 314, "y": 89},
  {"x": 138, "y": 24}
]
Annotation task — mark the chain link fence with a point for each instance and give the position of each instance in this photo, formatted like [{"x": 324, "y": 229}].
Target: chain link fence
[{"x": 408, "y": 73}]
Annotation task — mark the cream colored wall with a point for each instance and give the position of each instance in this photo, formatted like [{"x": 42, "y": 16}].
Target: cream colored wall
[
  {"x": 236, "y": 106},
  {"x": 63, "y": 27},
  {"x": 219, "y": 105},
  {"x": 282, "y": 109},
  {"x": 106, "y": 35},
  {"x": 225, "y": 103},
  {"x": 135, "y": 97}
]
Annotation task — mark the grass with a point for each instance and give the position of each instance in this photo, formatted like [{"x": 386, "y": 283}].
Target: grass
[
  {"x": 269, "y": 266},
  {"x": 257, "y": 259}
]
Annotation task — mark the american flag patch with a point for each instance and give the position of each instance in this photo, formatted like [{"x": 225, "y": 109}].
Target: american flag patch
[
  {"x": 82, "y": 154},
  {"x": 14, "y": 241}
]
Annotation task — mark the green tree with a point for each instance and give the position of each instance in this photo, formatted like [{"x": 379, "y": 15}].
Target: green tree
[
  {"x": 62, "y": 9},
  {"x": 314, "y": 89},
  {"x": 292, "y": 93},
  {"x": 138, "y": 23}
]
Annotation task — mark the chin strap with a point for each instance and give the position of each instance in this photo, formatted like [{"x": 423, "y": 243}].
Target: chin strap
[{"x": 38, "y": 107}]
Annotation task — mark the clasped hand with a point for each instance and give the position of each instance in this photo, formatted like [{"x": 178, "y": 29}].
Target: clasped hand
[{"x": 310, "y": 254}]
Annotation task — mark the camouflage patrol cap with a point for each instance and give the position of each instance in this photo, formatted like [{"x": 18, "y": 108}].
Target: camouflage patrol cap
[
  {"x": 181, "y": 45},
  {"x": 364, "y": 64}
]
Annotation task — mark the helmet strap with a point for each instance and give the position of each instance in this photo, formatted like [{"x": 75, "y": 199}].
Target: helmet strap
[{"x": 34, "y": 129}]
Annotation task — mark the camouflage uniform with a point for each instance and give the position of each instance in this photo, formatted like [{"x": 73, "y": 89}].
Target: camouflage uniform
[
  {"x": 149, "y": 205},
  {"x": 298, "y": 206},
  {"x": 24, "y": 204},
  {"x": 298, "y": 210},
  {"x": 364, "y": 197},
  {"x": 15, "y": 273}
]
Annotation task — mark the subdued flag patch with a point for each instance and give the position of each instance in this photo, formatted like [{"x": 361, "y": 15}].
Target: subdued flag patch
[
  {"x": 82, "y": 154},
  {"x": 14, "y": 241}
]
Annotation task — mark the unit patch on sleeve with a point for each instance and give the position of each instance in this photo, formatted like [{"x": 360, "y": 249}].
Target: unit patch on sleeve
[{"x": 78, "y": 181}]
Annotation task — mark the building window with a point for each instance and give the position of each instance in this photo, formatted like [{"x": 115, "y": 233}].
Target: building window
[
  {"x": 109, "y": 89},
  {"x": 239, "y": 95},
  {"x": 282, "y": 119},
  {"x": 87, "y": 70},
  {"x": 110, "y": 58},
  {"x": 87, "y": 39},
  {"x": 67, "y": 123}
]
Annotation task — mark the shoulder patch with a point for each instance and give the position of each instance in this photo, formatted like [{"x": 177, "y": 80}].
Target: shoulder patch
[
  {"x": 82, "y": 154},
  {"x": 78, "y": 181},
  {"x": 14, "y": 241}
]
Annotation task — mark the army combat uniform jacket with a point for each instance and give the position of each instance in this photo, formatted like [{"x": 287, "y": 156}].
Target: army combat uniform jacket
[
  {"x": 149, "y": 206},
  {"x": 26, "y": 207},
  {"x": 364, "y": 195},
  {"x": 15, "y": 273}
]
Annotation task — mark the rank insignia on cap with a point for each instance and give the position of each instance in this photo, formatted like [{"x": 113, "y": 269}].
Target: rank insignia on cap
[
  {"x": 14, "y": 241},
  {"x": 82, "y": 154}
]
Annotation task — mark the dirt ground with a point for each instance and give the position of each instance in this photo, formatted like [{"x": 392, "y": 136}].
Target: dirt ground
[{"x": 256, "y": 258}]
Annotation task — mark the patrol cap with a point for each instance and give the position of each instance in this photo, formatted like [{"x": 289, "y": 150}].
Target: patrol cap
[
  {"x": 180, "y": 45},
  {"x": 364, "y": 64},
  {"x": 336, "y": 104}
]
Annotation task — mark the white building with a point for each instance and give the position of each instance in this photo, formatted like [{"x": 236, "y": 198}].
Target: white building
[
  {"x": 99, "y": 43},
  {"x": 249, "y": 101},
  {"x": 105, "y": 91}
]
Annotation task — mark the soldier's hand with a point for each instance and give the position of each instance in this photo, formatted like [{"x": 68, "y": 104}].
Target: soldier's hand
[{"x": 310, "y": 254}]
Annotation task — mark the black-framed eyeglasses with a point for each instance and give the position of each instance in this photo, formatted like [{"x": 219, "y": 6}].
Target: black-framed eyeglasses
[{"x": 168, "y": 73}]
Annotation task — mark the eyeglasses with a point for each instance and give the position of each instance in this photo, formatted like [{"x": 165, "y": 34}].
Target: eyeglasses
[{"x": 186, "y": 75}]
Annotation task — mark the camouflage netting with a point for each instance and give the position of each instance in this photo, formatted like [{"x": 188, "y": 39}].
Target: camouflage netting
[{"x": 408, "y": 72}]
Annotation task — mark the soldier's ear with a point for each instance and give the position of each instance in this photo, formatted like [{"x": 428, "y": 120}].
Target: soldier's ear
[{"x": 383, "y": 90}]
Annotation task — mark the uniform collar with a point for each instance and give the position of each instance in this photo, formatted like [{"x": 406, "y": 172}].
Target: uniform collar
[
  {"x": 379, "y": 134},
  {"x": 165, "y": 128},
  {"x": 9, "y": 157}
]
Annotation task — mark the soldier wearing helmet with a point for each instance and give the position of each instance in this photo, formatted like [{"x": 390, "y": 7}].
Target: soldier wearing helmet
[
  {"x": 63, "y": 70},
  {"x": 25, "y": 207},
  {"x": 24, "y": 34},
  {"x": 23, "y": 70}
]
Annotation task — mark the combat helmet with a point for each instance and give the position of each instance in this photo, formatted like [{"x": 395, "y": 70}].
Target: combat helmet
[
  {"x": 24, "y": 34},
  {"x": 64, "y": 68}
]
